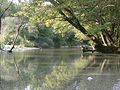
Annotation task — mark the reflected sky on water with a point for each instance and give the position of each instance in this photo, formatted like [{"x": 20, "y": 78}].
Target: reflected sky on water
[{"x": 59, "y": 69}]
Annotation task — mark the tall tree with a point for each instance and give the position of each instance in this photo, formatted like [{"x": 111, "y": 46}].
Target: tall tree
[
  {"x": 102, "y": 16},
  {"x": 99, "y": 20}
]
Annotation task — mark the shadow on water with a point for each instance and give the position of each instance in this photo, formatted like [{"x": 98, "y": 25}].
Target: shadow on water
[{"x": 59, "y": 69}]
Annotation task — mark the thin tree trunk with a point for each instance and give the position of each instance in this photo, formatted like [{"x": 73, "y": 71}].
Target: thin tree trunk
[
  {"x": 109, "y": 39},
  {"x": 13, "y": 46},
  {"x": 103, "y": 40},
  {"x": 0, "y": 25}
]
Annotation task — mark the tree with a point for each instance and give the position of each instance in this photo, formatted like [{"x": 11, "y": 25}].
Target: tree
[
  {"x": 70, "y": 38},
  {"x": 97, "y": 19},
  {"x": 18, "y": 31},
  {"x": 4, "y": 6},
  {"x": 101, "y": 16}
]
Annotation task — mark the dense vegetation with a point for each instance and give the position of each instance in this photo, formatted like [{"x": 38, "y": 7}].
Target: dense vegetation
[
  {"x": 54, "y": 23},
  {"x": 19, "y": 28}
]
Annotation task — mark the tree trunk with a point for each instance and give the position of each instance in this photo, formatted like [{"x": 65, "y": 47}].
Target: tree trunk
[
  {"x": 0, "y": 25},
  {"x": 18, "y": 31},
  {"x": 105, "y": 44},
  {"x": 107, "y": 49},
  {"x": 103, "y": 40}
]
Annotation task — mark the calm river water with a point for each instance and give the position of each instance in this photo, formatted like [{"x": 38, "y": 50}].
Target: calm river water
[{"x": 59, "y": 69}]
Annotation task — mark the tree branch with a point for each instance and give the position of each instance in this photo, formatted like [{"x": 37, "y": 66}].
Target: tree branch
[
  {"x": 6, "y": 9},
  {"x": 18, "y": 31},
  {"x": 75, "y": 22}
]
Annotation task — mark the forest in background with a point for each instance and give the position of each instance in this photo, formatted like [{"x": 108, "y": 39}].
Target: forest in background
[
  {"x": 31, "y": 34},
  {"x": 56, "y": 23}
]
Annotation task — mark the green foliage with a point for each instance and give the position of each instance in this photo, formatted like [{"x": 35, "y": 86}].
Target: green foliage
[
  {"x": 9, "y": 39},
  {"x": 12, "y": 8},
  {"x": 42, "y": 37},
  {"x": 48, "y": 27},
  {"x": 94, "y": 14},
  {"x": 9, "y": 25},
  {"x": 70, "y": 38},
  {"x": 26, "y": 43},
  {"x": 44, "y": 42},
  {"x": 20, "y": 41},
  {"x": 57, "y": 39}
]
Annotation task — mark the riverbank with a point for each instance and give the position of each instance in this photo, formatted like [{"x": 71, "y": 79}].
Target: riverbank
[{"x": 17, "y": 48}]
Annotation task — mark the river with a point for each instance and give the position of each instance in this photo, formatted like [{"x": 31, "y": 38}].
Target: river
[{"x": 59, "y": 69}]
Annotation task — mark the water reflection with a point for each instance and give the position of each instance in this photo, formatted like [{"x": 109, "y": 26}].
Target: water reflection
[{"x": 59, "y": 69}]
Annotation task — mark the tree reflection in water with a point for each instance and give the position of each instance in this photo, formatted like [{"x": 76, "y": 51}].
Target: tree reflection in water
[{"x": 58, "y": 70}]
